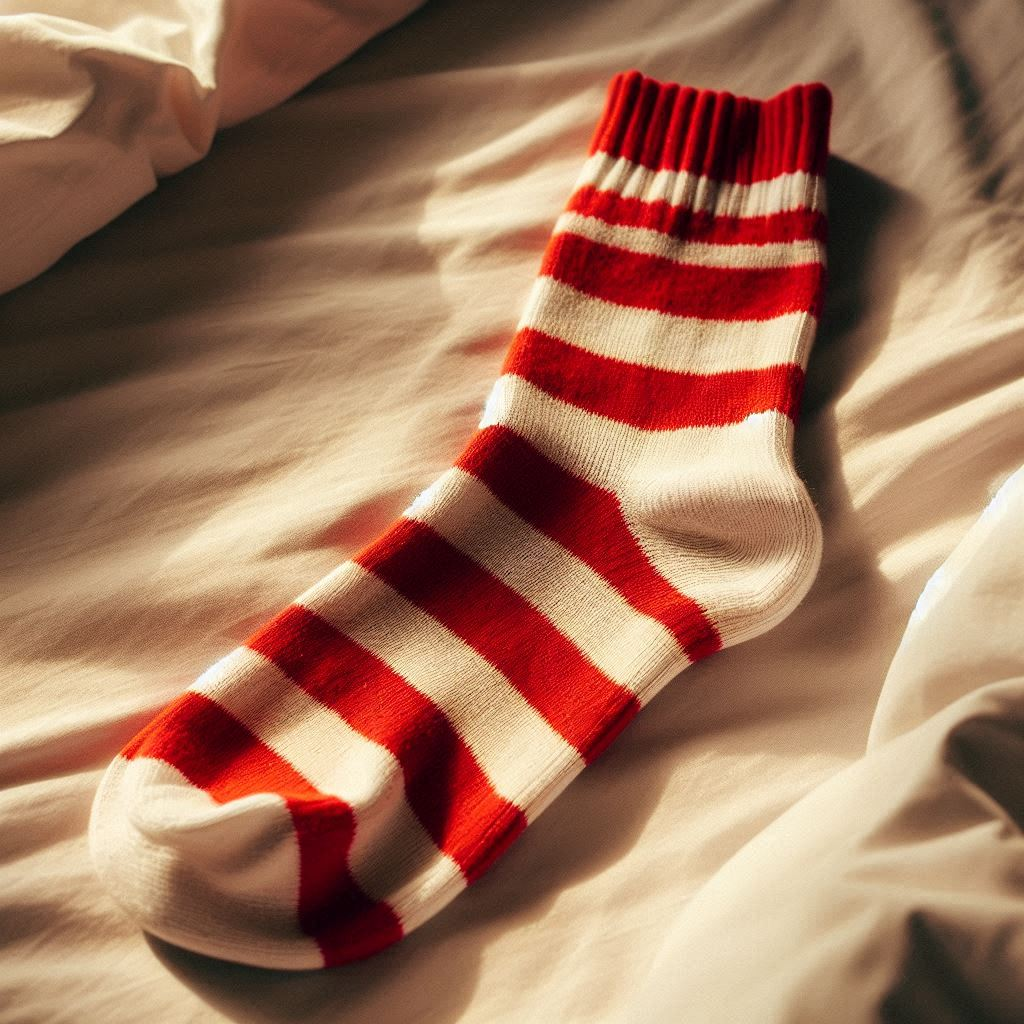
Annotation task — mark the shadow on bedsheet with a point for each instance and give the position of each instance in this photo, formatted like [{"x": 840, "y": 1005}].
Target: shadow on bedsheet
[{"x": 874, "y": 231}]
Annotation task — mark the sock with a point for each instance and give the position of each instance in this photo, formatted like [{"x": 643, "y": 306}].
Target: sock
[{"x": 627, "y": 506}]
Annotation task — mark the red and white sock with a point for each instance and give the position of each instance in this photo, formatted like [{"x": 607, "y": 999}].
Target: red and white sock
[{"x": 627, "y": 506}]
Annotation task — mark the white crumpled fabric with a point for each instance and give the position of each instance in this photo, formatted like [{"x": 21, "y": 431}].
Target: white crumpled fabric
[
  {"x": 895, "y": 890},
  {"x": 100, "y": 99}
]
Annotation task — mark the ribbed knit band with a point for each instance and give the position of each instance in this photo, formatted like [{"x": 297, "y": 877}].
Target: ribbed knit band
[{"x": 665, "y": 126}]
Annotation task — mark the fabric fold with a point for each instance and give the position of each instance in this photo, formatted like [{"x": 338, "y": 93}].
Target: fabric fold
[
  {"x": 125, "y": 101},
  {"x": 892, "y": 891}
]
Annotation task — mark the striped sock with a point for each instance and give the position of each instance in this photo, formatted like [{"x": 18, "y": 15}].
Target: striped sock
[{"x": 627, "y": 506}]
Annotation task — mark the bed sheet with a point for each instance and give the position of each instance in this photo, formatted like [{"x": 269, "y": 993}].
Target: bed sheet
[{"x": 245, "y": 377}]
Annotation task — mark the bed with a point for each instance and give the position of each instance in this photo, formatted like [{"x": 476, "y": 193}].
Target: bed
[{"x": 213, "y": 392}]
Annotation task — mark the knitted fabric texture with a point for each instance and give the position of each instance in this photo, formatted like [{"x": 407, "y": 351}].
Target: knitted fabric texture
[{"x": 627, "y": 506}]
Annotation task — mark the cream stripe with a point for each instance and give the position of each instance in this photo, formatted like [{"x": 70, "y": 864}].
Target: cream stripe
[
  {"x": 478, "y": 700},
  {"x": 619, "y": 640},
  {"x": 611, "y": 454},
  {"x": 726, "y": 496},
  {"x": 680, "y": 250},
  {"x": 651, "y": 338},
  {"x": 392, "y": 856},
  {"x": 199, "y": 873},
  {"x": 681, "y": 188}
]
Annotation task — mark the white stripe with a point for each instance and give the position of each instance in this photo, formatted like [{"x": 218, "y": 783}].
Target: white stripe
[
  {"x": 649, "y": 337},
  {"x": 201, "y": 874},
  {"x": 797, "y": 190},
  {"x": 622, "y": 642},
  {"x": 611, "y": 454},
  {"x": 719, "y": 511},
  {"x": 392, "y": 856},
  {"x": 514, "y": 744},
  {"x": 681, "y": 250}
]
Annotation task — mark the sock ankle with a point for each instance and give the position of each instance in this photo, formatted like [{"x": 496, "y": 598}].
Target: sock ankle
[{"x": 627, "y": 507}]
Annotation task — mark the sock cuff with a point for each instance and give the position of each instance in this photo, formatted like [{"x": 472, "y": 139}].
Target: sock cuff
[{"x": 665, "y": 126}]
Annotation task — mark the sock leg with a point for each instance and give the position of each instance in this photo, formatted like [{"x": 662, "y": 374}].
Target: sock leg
[{"x": 628, "y": 506}]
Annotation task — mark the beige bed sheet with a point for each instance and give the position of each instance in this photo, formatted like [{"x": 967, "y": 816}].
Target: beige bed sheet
[{"x": 215, "y": 399}]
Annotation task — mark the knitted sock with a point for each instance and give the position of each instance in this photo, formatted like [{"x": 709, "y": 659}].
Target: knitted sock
[{"x": 627, "y": 506}]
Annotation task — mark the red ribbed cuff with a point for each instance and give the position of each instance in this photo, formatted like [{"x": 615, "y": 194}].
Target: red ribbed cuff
[{"x": 666, "y": 126}]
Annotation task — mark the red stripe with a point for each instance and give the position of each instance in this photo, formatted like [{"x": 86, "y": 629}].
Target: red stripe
[
  {"x": 698, "y": 225},
  {"x": 588, "y": 521},
  {"x": 446, "y": 788},
  {"x": 727, "y": 137},
  {"x": 575, "y": 697},
  {"x": 653, "y": 282},
  {"x": 648, "y": 397},
  {"x": 215, "y": 752}
]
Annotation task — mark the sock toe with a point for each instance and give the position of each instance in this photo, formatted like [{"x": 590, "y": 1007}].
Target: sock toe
[{"x": 213, "y": 878}]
